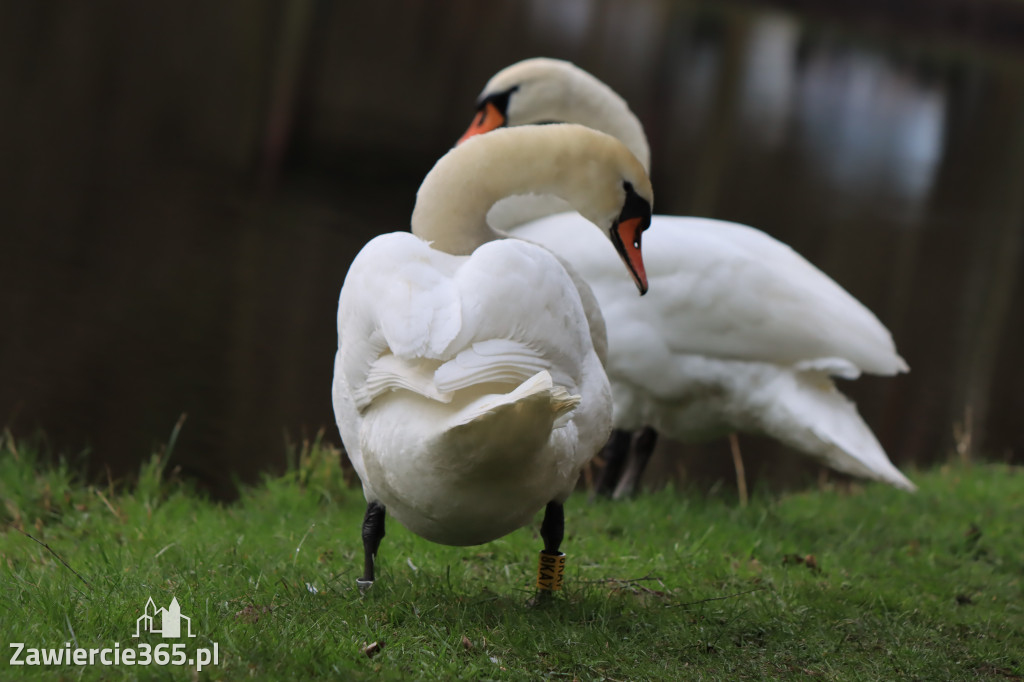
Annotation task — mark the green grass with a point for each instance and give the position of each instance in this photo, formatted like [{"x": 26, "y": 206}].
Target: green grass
[{"x": 674, "y": 585}]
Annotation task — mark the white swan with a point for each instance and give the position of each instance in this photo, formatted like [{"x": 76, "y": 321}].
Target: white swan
[
  {"x": 740, "y": 333},
  {"x": 467, "y": 388}
]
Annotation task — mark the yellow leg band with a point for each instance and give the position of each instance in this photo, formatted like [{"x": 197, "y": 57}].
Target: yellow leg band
[{"x": 550, "y": 569}]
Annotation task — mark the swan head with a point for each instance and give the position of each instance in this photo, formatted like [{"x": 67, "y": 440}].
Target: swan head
[
  {"x": 528, "y": 92},
  {"x": 626, "y": 230},
  {"x": 592, "y": 171},
  {"x": 542, "y": 90}
]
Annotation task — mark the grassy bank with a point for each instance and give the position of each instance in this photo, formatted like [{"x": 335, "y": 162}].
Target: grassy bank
[{"x": 869, "y": 584}]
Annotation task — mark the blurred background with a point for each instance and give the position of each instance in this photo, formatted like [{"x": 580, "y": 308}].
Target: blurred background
[{"x": 183, "y": 186}]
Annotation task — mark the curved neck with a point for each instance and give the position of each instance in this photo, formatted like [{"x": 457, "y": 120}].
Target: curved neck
[
  {"x": 453, "y": 201},
  {"x": 592, "y": 103}
]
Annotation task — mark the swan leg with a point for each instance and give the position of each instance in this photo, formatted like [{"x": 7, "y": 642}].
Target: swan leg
[
  {"x": 373, "y": 532},
  {"x": 551, "y": 565},
  {"x": 643, "y": 448},
  {"x": 614, "y": 454},
  {"x": 552, "y": 528}
]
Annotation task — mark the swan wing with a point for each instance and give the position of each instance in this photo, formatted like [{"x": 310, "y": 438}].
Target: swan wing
[
  {"x": 399, "y": 310},
  {"x": 756, "y": 298},
  {"x": 725, "y": 290},
  {"x": 521, "y": 307},
  {"x": 417, "y": 319}
]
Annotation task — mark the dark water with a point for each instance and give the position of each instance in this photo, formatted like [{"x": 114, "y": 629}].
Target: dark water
[{"x": 183, "y": 187}]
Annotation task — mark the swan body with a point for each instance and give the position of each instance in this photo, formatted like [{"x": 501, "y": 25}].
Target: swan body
[
  {"x": 739, "y": 333},
  {"x": 467, "y": 388},
  {"x": 465, "y": 431}
]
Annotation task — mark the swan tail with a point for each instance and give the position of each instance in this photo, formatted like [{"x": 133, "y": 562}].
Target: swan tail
[
  {"x": 817, "y": 419},
  {"x": 532, "y": 402}
]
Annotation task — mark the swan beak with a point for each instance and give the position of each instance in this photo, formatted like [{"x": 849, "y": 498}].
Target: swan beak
[
  {"x": 626, "y": 238},
  {"x": 488, "y": 118}
]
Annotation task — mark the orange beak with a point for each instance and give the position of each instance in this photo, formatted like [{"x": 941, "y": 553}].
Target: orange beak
[
  {"x": 486, "y": 120},
  {"x": 626, "y": 237}
]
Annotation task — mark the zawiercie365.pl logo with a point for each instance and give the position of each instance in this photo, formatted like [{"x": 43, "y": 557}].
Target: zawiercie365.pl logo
[{"x": 166, "y": 622}]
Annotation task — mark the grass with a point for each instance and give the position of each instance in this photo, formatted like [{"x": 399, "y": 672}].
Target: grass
[{"x": 865, "y": 584}]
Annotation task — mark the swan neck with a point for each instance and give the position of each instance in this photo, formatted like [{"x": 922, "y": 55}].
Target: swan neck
[
  {"x": 599, "y": 107},
  {"x": 452, "y": 216},
  {"x": 453, "y": 201}
]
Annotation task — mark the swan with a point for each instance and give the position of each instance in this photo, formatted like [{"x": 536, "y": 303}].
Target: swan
[
  {"x": 468, "y": 384},
  {"x": 739, "y": 334}
]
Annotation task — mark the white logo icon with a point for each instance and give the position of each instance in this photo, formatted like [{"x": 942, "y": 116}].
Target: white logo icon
[{"x": 165, "y": 622}]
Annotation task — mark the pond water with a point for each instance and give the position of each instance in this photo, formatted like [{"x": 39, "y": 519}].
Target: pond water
[{"x": 183, "y": 191}]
